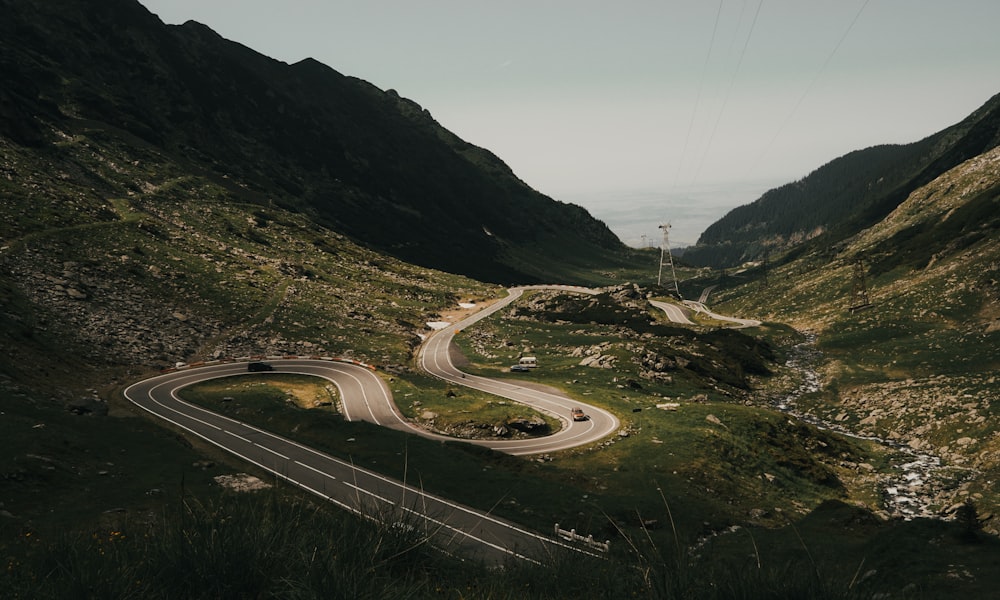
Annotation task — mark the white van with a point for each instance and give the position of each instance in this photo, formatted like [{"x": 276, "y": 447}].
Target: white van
[{"x": 528, "y": 361}]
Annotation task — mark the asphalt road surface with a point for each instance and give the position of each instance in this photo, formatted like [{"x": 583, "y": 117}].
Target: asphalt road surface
[
  {"x": 740, "y": 323},
  {"x": 365, "y": 396},
  {"x": 435, "y": 358},
  {"x": 674, "y": 312},
  {"x": 454, "y": 528}
]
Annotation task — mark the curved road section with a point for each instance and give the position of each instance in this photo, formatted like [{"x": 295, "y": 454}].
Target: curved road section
[
  {"x": 435, "y": 358},
  {"x": 740, "y": 323},
  {"x": 364, "y": 396},
  {"x": 447, "y": 525},
  {"x": 674, "y": 313}
]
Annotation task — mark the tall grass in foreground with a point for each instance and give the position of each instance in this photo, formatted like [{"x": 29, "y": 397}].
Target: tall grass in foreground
[{"x": 267, "y": 545}]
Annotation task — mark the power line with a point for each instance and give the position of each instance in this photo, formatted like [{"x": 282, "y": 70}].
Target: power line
[
  {"x": 732, "y": 85},
  {"x": 697, "y": 100},
  {"x": 809, "y": 87}
]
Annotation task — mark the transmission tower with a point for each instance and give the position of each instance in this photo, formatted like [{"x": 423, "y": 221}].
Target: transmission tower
[
  {"x": 859, "y": 287},
  {"x": 669, "y": 257},
  {"x": 764, "y": 267}
]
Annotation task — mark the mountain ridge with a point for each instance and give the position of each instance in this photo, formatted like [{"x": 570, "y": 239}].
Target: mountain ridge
[
  {"x": 128, "y": 247},
  {"x": 362, "y": 161},
  {"x": 844, "y": 196}
]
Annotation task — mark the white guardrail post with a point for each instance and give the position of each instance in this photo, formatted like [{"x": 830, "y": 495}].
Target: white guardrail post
[{"x": 573, "y": 536}]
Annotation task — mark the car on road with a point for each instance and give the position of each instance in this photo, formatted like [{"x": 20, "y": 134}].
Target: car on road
[
  {"x": 579, "y": 415},
  {"x": 256, "y": 367},
  {"x": 519, "y": 369}
]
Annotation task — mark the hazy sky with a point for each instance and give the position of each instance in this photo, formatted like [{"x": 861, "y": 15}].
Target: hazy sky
[{"x": 647, "y": 111}]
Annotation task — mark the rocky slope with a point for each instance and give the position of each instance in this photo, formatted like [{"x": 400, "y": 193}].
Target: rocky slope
[
  {"x": 917, "y": 367},
  {"x": 358, "y": 160}
]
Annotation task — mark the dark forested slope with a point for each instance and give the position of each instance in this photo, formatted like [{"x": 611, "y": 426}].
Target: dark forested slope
[{"x": 844, "y": 196}]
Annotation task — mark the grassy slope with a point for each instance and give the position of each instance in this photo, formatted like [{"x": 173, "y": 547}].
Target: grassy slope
[
  {"x": 919, "y": 366},
  {"x": 166, "y": 267},
  {"x": 252, "y": 279},
  {"x": 712, "y": 451}
]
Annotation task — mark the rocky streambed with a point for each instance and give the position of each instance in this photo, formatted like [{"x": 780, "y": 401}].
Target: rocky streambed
[{"x": 917, "y": 484}]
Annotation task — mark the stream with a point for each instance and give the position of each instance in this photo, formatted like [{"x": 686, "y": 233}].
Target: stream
[{"x": 908, "y": 491}]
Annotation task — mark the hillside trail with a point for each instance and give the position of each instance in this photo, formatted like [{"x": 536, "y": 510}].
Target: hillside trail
[{"x": 23, "y": 242}]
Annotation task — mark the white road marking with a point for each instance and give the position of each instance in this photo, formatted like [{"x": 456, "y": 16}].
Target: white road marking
[
  {"x": 237, "y": 436},
  {"x": 274, "y": 452}
]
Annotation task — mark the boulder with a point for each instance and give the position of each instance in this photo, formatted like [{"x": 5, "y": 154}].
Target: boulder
[
  {"x": 76, "y": 294},
  {"x": 534, "y": 425},
  {"x": 714, "y": 420}
]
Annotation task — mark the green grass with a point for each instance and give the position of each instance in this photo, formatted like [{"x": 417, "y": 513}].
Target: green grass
[
  {"x": 456, "y": 406},
  {"x": 256, "y": 392},
  {"x": 710, "y": 476},
  {"x": 918, "y": 367},
  {"x": 844, "y": 550},
  {"x": 567, "y": 328},
  {"x": 285, "y": 545},
  {"x": 712, "y": 471},
  {"x": 271, "y": 281},
  {"x": 61, "y": 470},
  {"x": 261, "y": 545},
  {"x": 469, "y": 474}
]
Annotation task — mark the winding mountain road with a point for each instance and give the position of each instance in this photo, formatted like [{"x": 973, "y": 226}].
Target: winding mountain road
[
  {"x": 454, "y": 528},
  {"x": 740, "y": 323},
  {"x": 674, "y": 313},
  {"x": 435, "y": 358},
  {"x": 365, "y": 396}
]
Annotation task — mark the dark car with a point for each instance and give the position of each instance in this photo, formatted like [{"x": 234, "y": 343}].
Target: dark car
[
  {"x": 519, "y": 369},
  {"x": 256, "y": 367}
]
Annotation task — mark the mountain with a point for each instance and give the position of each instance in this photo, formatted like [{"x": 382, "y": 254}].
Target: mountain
[
  {"x": 904, "y": 323},
  {"x": 844, "y": 196},
  {"x": 167, "y": 196},
  {"x": 358, "y": 160}
]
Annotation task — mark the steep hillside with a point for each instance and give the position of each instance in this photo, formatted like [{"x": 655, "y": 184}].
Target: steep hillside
[
  {"x": 917, "y": 364},
  {"x": 166, "y": 196},
  {"x": 361, "y": 161},
  {"x": 844, "y": 196},
  {"x": 155, "y": 266}
]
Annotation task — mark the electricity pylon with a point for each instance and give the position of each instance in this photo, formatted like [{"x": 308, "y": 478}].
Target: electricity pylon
[
  {"x": 763, "y": 271},
  {"x": 859, "y": 289},
  {"x": 665, "y": 253}
]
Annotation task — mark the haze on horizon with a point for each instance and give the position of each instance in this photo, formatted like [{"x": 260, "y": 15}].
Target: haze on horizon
[{"x": 648, "y": 111}]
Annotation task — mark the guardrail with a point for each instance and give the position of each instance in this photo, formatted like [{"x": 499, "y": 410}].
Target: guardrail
[{"x": 573, "y": 536}]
